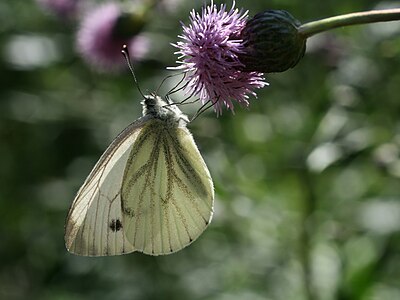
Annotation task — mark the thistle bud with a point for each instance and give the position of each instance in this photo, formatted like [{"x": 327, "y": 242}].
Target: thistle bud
[
  {"x": 272, "y": 42},
  {"x": 105, "y": 30},
  {"x": 130, "y": 24}
]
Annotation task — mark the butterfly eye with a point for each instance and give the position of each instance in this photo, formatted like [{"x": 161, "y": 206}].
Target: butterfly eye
[{"x": 149, "y": 101}]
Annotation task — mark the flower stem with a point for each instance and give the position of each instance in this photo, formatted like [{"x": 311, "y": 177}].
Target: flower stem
[
  {"x": 384, "y": 15},
  {"x": 306, "y": 233}
]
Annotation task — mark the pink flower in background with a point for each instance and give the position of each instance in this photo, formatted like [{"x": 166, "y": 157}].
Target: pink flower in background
[
  {"x": 100, "y": 45},
  {"x": 63, "y": 8},
  {"x": 208, "y": 52}
]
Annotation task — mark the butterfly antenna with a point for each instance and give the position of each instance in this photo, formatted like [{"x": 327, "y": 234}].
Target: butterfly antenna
[{"x": 125, "y": 53}]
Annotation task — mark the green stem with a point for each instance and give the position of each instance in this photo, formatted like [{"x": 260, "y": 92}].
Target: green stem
[
  {"x": 385, "y": 15},
  {"x": 309, "y": 204}
]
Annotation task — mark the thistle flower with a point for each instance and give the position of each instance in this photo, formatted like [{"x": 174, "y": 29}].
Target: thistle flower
[
  {"x": 103, "y": 33},
  {"x": 209, "y": 50},
  {"x": 65, "y": 9}
]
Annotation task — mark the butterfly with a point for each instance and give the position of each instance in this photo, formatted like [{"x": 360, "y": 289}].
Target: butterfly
[{"x": 150, "y": 191}]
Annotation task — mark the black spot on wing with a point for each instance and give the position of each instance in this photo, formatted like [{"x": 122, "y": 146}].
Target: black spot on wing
[{"x": 115, "y": 225}]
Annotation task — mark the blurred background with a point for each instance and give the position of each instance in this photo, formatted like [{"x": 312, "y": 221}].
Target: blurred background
[{"x": 307, "y": 179}]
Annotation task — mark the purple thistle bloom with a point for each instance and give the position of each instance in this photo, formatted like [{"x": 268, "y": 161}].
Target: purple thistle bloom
[
  {"x": 62, "y": 8},
  {"x": 99, "y": 43},
  {"x": 209, "y": 51}
]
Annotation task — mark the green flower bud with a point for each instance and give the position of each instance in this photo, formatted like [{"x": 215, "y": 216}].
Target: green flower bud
[
  {"x": 272, "y": 42},
  {"x": 130, "y": 24}
]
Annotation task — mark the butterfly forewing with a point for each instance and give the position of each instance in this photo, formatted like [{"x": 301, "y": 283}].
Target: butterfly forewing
[
  {"x": 94, "y": 224},
  {"x": 167, "y": 192}
]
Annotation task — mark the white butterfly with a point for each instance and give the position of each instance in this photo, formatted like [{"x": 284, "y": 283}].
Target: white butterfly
[{"x": 150, "y": 191}]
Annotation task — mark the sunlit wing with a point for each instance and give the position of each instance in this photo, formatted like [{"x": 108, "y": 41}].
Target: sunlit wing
[
  {"x": 94, "y": 223},
  {"x": 167, "y": 191}
]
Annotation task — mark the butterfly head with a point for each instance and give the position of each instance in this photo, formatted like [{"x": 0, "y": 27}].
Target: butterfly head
[{"x": 155, "y": 106}]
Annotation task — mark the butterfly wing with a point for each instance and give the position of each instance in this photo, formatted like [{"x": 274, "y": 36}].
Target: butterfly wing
[
  {"x": 94, "y": 223},
  {"x": 167, "y": 191}
]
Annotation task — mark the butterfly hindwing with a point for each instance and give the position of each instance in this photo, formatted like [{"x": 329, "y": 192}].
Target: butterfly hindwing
[{"x": 167, "y": 192}]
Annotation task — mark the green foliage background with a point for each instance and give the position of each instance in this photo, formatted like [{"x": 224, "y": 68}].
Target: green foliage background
[{"x": 307, "y": 179}]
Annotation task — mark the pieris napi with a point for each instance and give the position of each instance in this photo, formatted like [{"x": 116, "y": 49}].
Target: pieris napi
[{"x": 150, "y": 191}]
